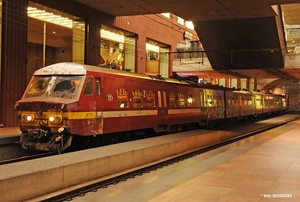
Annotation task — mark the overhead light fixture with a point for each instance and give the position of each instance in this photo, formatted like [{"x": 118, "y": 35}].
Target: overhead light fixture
[
  {"x": 51, "y": 18},
  {"x": 112, "y": 36}
]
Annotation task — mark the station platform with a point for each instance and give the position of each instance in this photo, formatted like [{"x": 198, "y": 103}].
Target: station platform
[
  {"x": 9, "y": 135},
  {"x": 265, "y": 167},
  {"x": 41, "y": 177},
  {"x": 9, "y": 131}
]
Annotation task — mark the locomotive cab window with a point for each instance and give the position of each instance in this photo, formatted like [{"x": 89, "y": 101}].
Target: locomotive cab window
[
  {"x": 64, "y": 86},
  {"x": 38, "y": 85},
  {"x": 88, "y": 90},
  {"x": 122, "y": 98}
]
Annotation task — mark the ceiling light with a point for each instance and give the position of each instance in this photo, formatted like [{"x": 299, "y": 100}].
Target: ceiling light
[{"x": 50, "y": 17}]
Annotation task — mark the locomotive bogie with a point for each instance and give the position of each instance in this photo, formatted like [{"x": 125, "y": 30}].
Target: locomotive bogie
[{"x": 67, "y": 100}]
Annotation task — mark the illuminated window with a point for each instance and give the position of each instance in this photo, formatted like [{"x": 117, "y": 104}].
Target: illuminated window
[
  {"x": 122, "y": 98},
  {"x": 181, "y": 99},
  {"x": 166, "y": 15},
  {"x": 172, "y": 99},
  {"x": 180, "y": 20},
  {"x": 190, "y": 100},
  {"x": 165, "y": 98},
  {"x": 189, "y": 24},
  {"x": 150, "y": 97},
  {"x": 137, "y": 98}
]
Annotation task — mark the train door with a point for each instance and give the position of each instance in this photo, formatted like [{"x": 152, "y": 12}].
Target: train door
[
  {"x": 99, "y": 104},
  {"x": 91, "y": 106},
  {"x": 162, "y": 110}
]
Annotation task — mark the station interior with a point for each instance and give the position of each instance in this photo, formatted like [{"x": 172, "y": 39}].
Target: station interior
[
  {"x": 152, "y": 140},
  {"x": 247, "y": 45}
]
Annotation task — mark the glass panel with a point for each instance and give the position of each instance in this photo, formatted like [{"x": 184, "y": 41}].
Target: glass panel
[
  {"x": 88, "y": 90},
  {"x": 137, "y": 98},
  {"x": 150, "y": 97},
  {"x": 78, "y": 41},
  {"x": 164, "y": 62},
  {"x": 165, "y": 98},
  {"x": 98, "y": 86},
  {"x": 53, "y": 36},
  {"x": 56, "y": 86},
  {"x": 122, "y": 98},
  {"x": 129, "y": 56},
  {"x": 190, "y": 100},
  {"x": 172, "y": 99},
  {"x": 159, "y": 99},
  {"x": 181, "y": 99}
]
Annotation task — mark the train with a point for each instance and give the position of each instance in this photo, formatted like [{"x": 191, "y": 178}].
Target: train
[{"x": 68, "y": 103}]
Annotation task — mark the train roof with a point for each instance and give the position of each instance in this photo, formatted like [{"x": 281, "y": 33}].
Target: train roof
[{"x": 68, "y": 69}]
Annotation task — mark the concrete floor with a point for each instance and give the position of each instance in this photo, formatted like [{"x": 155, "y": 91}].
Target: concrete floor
[{"x": 261, "y": 168}]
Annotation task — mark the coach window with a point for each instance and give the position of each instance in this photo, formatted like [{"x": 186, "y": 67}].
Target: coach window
[
  {"x": 258, "y": 101},
  {"x": 206, "y": 100},
  {"x": 98, "y": 86},
  {"x": 244, "y": 101},
  {"x": 88, "y": 90},
  {"x": 122, "y": 98},
  {"x": 159, "y": 98},
  {"x": 137, "y": 98},
  {"x": 250, "y": 101},
  {"x": 215, "y": 100},
  {"x": 209, "y": 101},
  {"x": 220, "y": 103},
  {"x": 190, "y": 100},
  {"x": 181, "y": 99},
  {"x": 202, "y": 96},
  {"x": 172, "y": 99},
  {"x": 150, "y": 97},
  {"x": 165, "y": 98}
]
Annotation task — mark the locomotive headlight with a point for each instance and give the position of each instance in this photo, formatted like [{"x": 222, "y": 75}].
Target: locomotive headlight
[
  {"x": 27, "y": 117},
  {"x": 55, "y": 119}
]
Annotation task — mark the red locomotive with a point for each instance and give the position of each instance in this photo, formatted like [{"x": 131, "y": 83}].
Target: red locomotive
[{"x": 68, "y": 103}]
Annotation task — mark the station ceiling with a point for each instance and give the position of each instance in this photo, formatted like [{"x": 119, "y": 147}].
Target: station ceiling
[{"x": 241, "y": 38}]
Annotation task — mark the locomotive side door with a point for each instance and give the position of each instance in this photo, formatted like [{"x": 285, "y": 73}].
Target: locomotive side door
[
  {"x": 99, "y": 104},
  {"x": 162, "y": 110}
]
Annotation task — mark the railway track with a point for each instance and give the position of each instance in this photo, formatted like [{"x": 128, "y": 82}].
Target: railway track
[{"x": 81, "y": 190}]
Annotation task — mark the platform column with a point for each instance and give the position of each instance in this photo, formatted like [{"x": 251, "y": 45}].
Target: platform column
[{"x": 13, "y": 58}]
